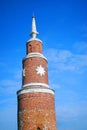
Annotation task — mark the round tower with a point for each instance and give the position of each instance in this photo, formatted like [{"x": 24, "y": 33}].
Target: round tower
[{"x": 36, "y": 107}]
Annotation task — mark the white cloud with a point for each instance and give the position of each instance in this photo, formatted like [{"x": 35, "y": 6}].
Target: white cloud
[
  {"x": 8, "y": 118},
  {"x": 80, "y": 47},
  {"x": 66, "y": 113},
  {"x": 9, "y": 86},
  {"x": 66, "y": 60},
  {"x": 70, "y": 106},
  {"x": 8, "y": 83},
  {"x": 18, "y": 74},
  {"x": 54, "y": 86},
  {"x": 71, "y": 111}
]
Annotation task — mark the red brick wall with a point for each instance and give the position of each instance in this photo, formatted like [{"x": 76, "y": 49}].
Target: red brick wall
[
  {"x": 34, "y": 46},
  {"x": 30, "y": 65},
  {"x": 36, "y": 110}
]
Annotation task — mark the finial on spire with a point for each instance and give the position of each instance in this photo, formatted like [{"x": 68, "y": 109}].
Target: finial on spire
[{"x": 34, "y": 32}]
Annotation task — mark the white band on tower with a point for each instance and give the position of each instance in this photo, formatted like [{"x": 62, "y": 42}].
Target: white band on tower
[
  {"x": 36, "y": 84},
  {"x": 30, "y": 90},
  {"x": 36, "y": 54}
]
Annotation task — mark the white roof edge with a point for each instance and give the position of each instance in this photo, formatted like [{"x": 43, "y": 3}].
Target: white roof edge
[{"x": 36, "y": 39}]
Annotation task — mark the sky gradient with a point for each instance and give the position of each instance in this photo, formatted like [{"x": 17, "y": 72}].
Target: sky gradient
[{"x": 62, "y": 26}]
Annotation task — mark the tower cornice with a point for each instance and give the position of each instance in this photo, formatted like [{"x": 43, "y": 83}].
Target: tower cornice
[
  {"x": 35, "y": 90},
  {"x": 35, "y": 54},
  {"x": 34, "y": 39}
]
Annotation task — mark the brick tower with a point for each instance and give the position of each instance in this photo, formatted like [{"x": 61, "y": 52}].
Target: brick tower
[{"x": 36, "y": 107}]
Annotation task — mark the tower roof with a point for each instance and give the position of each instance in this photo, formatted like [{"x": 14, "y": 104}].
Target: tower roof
[{"x": 34, "y": 32}]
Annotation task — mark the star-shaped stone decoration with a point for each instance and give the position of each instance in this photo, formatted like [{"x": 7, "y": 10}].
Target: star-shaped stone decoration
[{"x": 40, "y": 70}]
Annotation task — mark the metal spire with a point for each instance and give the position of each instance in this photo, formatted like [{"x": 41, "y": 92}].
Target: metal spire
[{"x": 34, "y": 32}]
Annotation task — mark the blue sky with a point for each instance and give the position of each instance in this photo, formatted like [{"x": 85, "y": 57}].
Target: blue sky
[{"x": 62, "y": 26}]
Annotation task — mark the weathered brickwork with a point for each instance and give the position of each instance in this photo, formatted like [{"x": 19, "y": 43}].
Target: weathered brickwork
[
  {"x": 36, "y": 110},
  {"x": 34, "y": 46},
  {"x": 30, "y": 65}
]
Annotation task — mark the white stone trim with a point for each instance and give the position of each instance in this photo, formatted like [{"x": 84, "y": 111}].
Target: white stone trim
[
  {"x": 36, "y": 39},
  {"x": 43, "y": 90},
  {"x": 23, "y": 72},
  {"x": 36, "y": 84},
  {"x": 35, "y": 54},
  {"x": 40, "y": 70}
]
